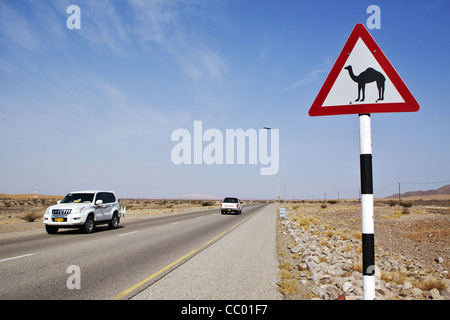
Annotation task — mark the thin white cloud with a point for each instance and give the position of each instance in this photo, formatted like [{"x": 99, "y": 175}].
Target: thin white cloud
[
  {"x": 103, "y": 27},
  {"x": 311, "y": 77},
  {"x": 202, "y": 63},
  {"x": 167, "y": 25},
  {"x": 171, "y": 29},
  {"x": 15, "y": 28},
  {"x": 88, "y": 110}
]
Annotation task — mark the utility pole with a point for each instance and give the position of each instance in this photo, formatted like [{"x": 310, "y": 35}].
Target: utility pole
[{"x": 284, "y": 173}]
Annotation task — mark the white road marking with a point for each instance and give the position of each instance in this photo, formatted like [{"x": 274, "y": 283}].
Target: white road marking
[
  {"x": 175, "y": 223},
  {"x": 124, "y": 234},
  {"x": 18, "y": 257}
]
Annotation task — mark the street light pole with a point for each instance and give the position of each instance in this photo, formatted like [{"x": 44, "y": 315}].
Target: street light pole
[{"x": 284, "y": 173}]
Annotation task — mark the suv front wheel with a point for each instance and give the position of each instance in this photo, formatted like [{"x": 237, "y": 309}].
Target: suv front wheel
[
  {"x": 51, "y": 229},
  {"x": 89, "y": 225}
]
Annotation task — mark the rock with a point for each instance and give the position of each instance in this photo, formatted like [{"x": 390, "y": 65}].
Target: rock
[
  {"x": 315, "y": 277},
  {"x": 435, "y": 295},
  {"x": 416, "y": 292},
  {"x": 311, "y": 265},
  {"x": 315, "y": 259},
  {"x": 407, "y": 285},
  {"x": 347, "y": 266},
  {"x": 332, "y": 291},
  {"x": 328, "y": 267},
  {"x": 320, "y": 292},
  {"x": 357, "y": 291},
  {"x": 295, "y": 249},
  {"x": 347, "y": 287},
  {"x": 335, "y": 271},
  {"x": 323, "y": 266},
  {"x": 445, "y": 294},
  {"x": 306, "y": 257},
  {"x": 302, "y": 266}
]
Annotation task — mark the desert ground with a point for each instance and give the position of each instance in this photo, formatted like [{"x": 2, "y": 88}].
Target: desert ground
[{"x": 412, "y": 243}]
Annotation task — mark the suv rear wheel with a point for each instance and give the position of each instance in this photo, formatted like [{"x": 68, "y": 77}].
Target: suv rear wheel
[{"x": 114, "y": 221}]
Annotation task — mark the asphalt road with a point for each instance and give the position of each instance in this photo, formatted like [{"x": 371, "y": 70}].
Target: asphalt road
[
  {"x": 243, "y": 265},
  {"x": 112, "y": 264}
]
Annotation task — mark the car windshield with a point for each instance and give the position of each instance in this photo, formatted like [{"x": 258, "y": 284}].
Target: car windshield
[
  {"x": 232, "y": 200},
  {"x": 78, "y": 198}
]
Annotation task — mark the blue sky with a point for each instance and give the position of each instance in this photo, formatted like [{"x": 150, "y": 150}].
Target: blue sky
[{"x": 95, "y": 107}]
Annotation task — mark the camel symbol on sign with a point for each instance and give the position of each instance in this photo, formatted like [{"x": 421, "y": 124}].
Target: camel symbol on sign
[{"x": 368, "y": 76}]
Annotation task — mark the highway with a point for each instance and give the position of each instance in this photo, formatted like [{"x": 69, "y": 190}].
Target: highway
[{"x": 113, "y": 264}]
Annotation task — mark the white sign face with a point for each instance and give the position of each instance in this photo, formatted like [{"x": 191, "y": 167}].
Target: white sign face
[
  {"x": 282, "y": 212},
  {"x": 362, "y": 81}
]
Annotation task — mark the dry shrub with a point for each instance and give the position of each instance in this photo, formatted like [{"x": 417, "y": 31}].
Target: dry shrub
[
  {"x": 288, "y": 287},
  {"x": 288, "y": 284},
  {"x": 431, "y": 283},
  {"x": 32, "y": 215},
  {"x": 396, "y": 277},
  {"x": 405, "y": 204}
]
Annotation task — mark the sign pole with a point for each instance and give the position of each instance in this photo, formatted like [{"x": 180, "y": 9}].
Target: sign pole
[{"x": 368, "y": 241}]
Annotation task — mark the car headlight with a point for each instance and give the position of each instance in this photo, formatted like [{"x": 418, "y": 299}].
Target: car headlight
[
  {"x": 48, "y": 211},
  {"x": 77, "y": 210}
]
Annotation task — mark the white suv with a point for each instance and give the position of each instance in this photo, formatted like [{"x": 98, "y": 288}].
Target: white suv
[{"x": 84, "y": 210}]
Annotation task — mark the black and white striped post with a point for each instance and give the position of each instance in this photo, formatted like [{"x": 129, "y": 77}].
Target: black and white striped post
[{"x": 368, "y": 240}]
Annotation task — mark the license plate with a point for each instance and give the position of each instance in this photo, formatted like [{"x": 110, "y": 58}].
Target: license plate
[
  {"x": 228, "y": 209},
  {"x": 59, "y": 219}
]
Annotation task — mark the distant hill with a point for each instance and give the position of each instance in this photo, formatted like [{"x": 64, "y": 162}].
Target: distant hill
[{"x": 445, "y": 190}]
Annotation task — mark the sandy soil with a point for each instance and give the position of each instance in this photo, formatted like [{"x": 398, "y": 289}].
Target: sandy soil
[{"x": 413, "y": 231}]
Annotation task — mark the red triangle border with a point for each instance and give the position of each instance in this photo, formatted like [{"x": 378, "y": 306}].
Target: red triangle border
[{"x": 409, "y": 105}]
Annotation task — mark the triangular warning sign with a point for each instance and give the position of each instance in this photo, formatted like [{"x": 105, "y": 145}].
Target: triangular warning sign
[{"x": 362, "y": 80}]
